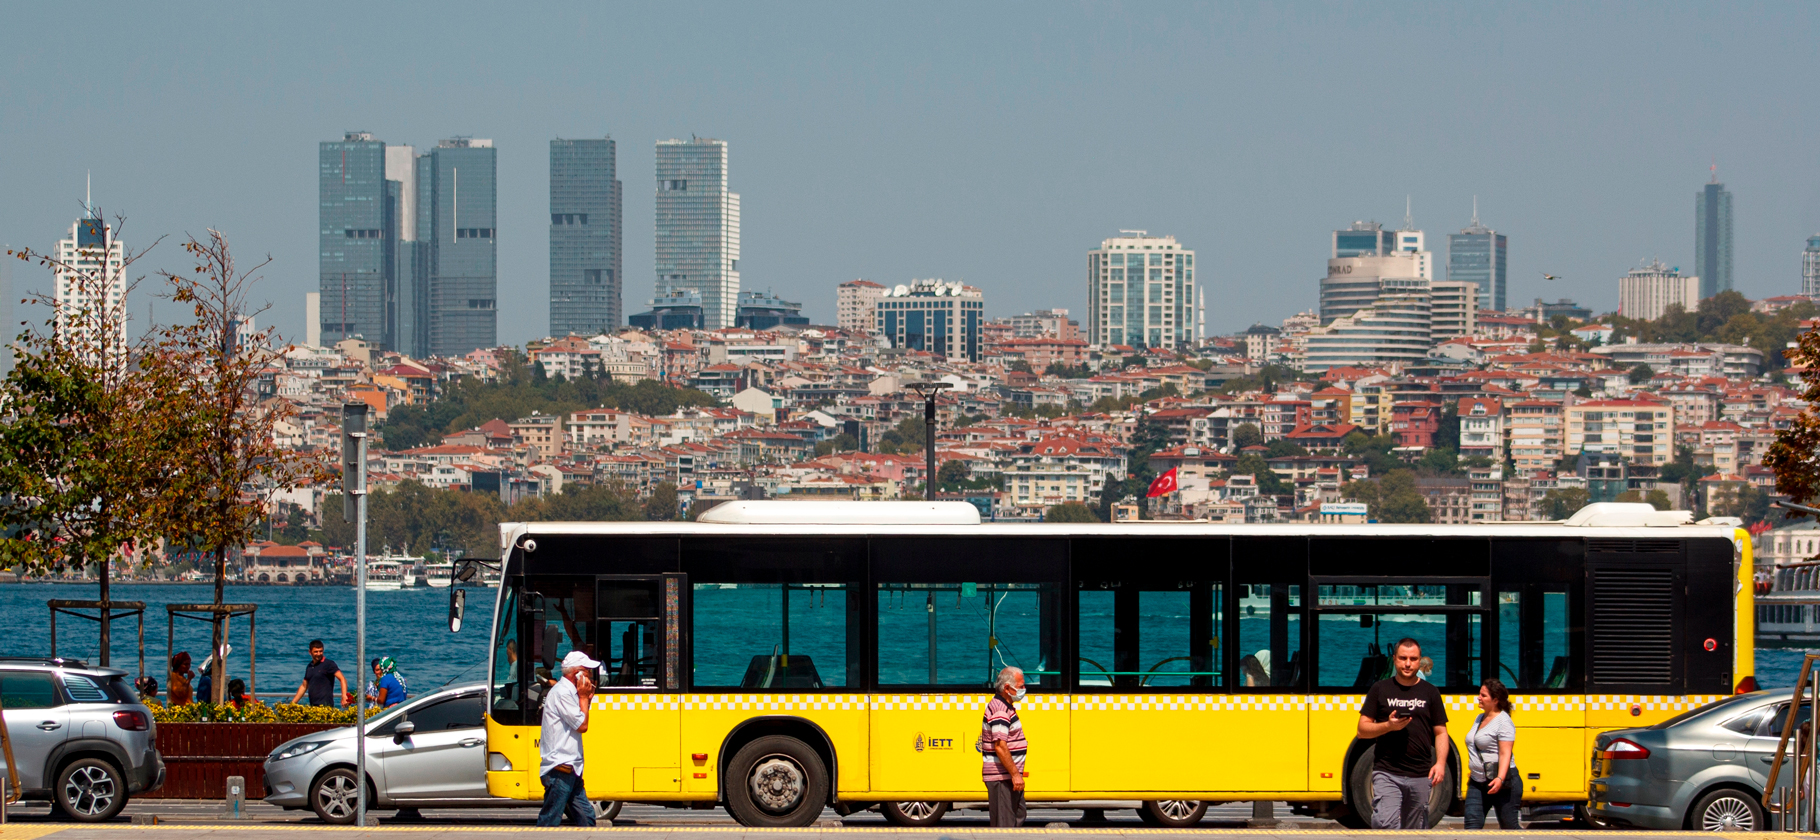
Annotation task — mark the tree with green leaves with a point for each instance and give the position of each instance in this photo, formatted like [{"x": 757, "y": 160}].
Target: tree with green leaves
[
  {"x": 842, "y": 442},
  {"x": 1795, "y": 454},
  {"x": 1245, "y": 436},
  {"x": 661, "y": 506},
  {"x": 1392, "y": 497},
  {"x": 1564, "y": 502},
  {"x": 1070, "y": 512},
  {"x": 1641, "y": 374}
]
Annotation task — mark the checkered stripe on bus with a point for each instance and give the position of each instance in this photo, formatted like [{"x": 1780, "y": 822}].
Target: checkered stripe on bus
[
  {"x": 775, "y": 702},
  {"x": 1651, "y": 703},
  {"x": 1190, "y": 702}
]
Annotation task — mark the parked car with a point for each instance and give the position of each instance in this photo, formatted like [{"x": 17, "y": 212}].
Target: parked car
[
  {"x": 1704, "y": 769},
  {"x": 429, "y": 752},
  {"x": 81, "y": 736}
]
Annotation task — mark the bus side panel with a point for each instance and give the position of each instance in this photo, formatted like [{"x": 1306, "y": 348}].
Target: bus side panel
[
  {"x": 1110, "y": 730},
  {"x": 1047, "y": 721},
  {"x": 631, "y": 746},
  {"x": 1333, "y": 721},
  {"x": 924, "y": 743},
  {"x": 519, "y": 745},
  {"x": 710, "y": 718},
  {"x": 1551, "y": 744}
]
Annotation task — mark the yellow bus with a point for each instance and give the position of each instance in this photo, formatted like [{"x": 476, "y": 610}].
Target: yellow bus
[{"x": 776, "y": 658}]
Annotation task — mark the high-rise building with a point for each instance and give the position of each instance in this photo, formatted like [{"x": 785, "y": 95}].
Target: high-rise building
[
  {"x": 312, "y": 319},
  {"x": 1140, "y": 291},
  {"x": 357, "y": 240},
  {"x": 1395, "y": 329},
  {"x": 766, "y": 311},
  {"x": 698, "y": 226},
  {"x": 1455, "y": 308},
  {"x": 1810, "y": 267},
  {"x": 1477, "y": 254},
  {"x": 1363, "y": 239},
  {"x": 1713, "y": 237},
  {"x": 1365, "y": 261},
  {"x": 406, "y": 292},
  {"x": 932, "y": 316},
  {"x": 458, "y": 256},
  {"x": 92, "y": 274},
  {"x": 1650, "y": 289},
  {"x": 855, "y": 303},
  {"x": 585, "y": 254}
]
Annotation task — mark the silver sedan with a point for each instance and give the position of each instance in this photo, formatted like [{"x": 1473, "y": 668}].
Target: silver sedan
[{"x": 1703, "y": 770}]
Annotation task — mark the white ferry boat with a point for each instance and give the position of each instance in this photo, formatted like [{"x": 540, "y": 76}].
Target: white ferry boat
[
  {"x": 1788, "y": 605},
  {"x": 439, "y": 574},
  {"x": 385, "y": 575}
]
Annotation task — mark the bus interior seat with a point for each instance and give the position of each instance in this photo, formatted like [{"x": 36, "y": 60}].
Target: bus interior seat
[
  {"x": 1557, "y": 673},
  {"x": 1372, "y": 667},
  {"x": 1292, "y": 675},
  {"x": 781, "y": 671}
]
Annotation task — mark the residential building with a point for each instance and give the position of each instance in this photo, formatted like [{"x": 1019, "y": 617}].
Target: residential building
[
  {"x": 1810, "y": 267},
  {"x": 1052, "y": 323},
  {"x": 764, "y": 310},
  {"x": 356, "y": 241},
  {"x": 1692, "y": 360},
  {"x": 540, "y": 433},
  {"x": 1713, "y": 238},
  {"x": 91, "y": 275},
  {"x": 1140, "y": 291},
  {"x": 1795, "y": 542},
  {"x": 1453, "y": 308},
  {"x": 1477, "y": 254},
  {"x": 698, "y": 226},
  {"x": 1535, "y": 436},
  {"x": 458, "y": 262},
  {"x": 932, "y": 316},
  {"x": 1650, "y": 289},
  {"x": 586, "y": 256},
  {"x": 1641, "y": 431},
  {"x": 1450, "y": 500},
  {"x": 1482, "y": 428},
  {"x": 1415, "y": 424},
  {"x": 855, "y": 304},
  {"x": 1353, "y": 283},
  {"x": 1395, "y": 329}
]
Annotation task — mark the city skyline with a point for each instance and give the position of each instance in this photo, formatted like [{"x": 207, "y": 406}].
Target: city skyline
[{"x": 926, "y": 154}]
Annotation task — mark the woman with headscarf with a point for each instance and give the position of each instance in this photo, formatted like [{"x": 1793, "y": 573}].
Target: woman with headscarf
[
  {"x": 179, "y": 680},
  {"x": 389, "y": 685}
]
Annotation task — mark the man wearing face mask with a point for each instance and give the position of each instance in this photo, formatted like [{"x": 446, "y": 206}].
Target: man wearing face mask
[{"x": 1002, "y": 749}]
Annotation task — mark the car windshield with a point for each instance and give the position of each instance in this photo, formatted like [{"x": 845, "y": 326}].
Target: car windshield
[{"x": 1690, "y": 714}]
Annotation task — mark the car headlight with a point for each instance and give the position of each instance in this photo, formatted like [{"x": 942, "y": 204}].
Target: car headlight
[{"x": 296, "y": 750}]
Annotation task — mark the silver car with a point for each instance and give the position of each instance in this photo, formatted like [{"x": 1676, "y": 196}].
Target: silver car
[
  {"x": 1702, "y": 770},
  {"x": 81, "y": 736}
]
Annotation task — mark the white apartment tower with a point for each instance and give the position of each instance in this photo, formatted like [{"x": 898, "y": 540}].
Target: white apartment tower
[
  {"x": 698, "y": 227},
  {"x": 855, "y": 304},
  {"x": 1140, "y": 292},
  {"x": 92, "y": 275},
  {"x": 1650, "y": 289}
]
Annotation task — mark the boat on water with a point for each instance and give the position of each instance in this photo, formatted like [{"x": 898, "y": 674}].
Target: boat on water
[
  {"x": 1788, "y": 605},
  {"x": 439, "y": 574},
  {"x": 385, "y": 574}
]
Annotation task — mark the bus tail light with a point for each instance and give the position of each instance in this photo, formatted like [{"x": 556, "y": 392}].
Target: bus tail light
[
  {"x": 498, "y": 763},
  {"x": 1746, "y": 685},
  {"x": 1624, "y": 748}
]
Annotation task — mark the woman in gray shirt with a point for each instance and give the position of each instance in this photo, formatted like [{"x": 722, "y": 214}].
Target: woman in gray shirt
[{"x": 1495, "y": 784}]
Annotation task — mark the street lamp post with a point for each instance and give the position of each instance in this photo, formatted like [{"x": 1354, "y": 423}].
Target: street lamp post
[{"x": 929, "y": 390}]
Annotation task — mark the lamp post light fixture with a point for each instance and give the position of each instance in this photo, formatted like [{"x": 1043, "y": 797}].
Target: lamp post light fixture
[{"x": 929, "y": 390}]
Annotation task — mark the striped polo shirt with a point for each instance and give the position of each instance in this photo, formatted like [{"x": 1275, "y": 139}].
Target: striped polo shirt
[{"x": 1000, "y": 723}]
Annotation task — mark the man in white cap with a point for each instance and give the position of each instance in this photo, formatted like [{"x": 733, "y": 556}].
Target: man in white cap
[{"x": 565, "y": 717}]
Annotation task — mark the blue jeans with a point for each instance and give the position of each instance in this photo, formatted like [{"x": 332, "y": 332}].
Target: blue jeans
[
  {"x": 1503, "y": 803},
  {"x": 565, "y": 793}
]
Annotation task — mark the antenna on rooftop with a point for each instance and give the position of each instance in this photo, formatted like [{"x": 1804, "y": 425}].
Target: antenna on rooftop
[
  {"x": 88, "y": 198},
  {"x": 1475, "y": 211},
  {"x": 1715, "y": 169},
  {"x": 1409, "y": 222}
]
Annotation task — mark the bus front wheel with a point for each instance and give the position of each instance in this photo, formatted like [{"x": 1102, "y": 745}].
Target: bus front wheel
[
  {"x": 1172, "y": 813},
  {"x": 1357, "y": 785},
  {"x": 913, "y": 814},
  {"x": 776, "y": 782}
]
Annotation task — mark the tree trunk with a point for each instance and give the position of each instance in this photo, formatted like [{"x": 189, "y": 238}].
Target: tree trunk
[
  {"x": 107, "y": 613},
  {"x": 218, "y": 673}
]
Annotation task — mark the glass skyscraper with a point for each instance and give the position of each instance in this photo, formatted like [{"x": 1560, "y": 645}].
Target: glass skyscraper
[
  {"x": 1713, "y": 238},
  {"x": 457, "y": 273},
  {"x": 1478, "y": 254},
  {"x": 698, "y": 226},
  {"x": 585, "y": 290},
  {"x": 1810, "y": 267},
  {"x": 1140, "y": 291},
  {"x": 356, "y": 240}
]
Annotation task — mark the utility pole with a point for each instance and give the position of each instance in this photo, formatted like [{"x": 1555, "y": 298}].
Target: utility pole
[
  {"x": 354, "y": 500},
  {"x": 929, "y": 390}
]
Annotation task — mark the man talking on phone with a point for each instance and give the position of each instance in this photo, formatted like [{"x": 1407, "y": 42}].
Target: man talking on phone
[
  {"x": 565, "y": 717},
  {"x": 1407, "y": 717}
]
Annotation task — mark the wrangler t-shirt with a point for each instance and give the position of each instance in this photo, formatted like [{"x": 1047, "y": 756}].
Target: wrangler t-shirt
[{"x": 1408, "y": 752}]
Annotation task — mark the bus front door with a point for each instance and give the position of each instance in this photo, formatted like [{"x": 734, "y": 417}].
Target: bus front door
[{"x": 633, "y": 741}]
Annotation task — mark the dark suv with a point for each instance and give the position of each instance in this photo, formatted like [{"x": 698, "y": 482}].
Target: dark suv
[{"x": 81, "y": 737}]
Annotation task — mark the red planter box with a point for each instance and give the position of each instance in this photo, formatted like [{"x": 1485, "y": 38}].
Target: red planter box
[{"x": 198, "y": 757}]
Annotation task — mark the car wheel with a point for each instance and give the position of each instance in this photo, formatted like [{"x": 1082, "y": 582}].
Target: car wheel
[
  {"x": 334, "y": 796},
  {"x": 913, "y": 814},
  {"x": 776, "y": 782},
  {"x": 606, "y": 809},
  {"x": 1172, "y": 813},
  {"x": 90, "y": 790},
  {"x": 1726, "y": 810}
]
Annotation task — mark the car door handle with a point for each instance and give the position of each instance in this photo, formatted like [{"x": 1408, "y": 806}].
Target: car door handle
[
  {"x": 50, "y": 725},
  {"x": 471, "y": 742}
]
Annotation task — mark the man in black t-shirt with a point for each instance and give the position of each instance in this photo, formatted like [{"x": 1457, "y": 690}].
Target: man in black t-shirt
[
  {"x": 319, "y": 678},
  {"x": 1408, "y": 718}
]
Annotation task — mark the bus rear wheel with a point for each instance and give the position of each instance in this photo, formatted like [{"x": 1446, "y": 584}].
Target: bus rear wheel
[
  {"x": 1357, "y": 786},
  {"x": 776, "y": 782},
  {"x": 913, "y": 814},
  {"x": 1172, "y": 813}
]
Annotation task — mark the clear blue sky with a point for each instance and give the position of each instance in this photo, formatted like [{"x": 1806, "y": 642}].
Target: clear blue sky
[{"x": 994, "y": 143}]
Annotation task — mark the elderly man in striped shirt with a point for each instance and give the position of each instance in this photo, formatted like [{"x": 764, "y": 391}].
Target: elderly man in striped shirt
[{"x": 1002, "y": 749}]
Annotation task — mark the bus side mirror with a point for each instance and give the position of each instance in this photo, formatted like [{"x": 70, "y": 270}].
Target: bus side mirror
[{"x": 458, "y": 602}]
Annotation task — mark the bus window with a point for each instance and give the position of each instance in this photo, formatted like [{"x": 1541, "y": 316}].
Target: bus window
[
  {"x": 507, "y": 693},
  {"x": 959, "y": 635},
  {"x": 1270, "y": 635},
  {"x": 1136, "y": 638},
  {"x": 1360, "y": 626},
  {"x": 566, "y": 603},
  {"x": 769, "y": 636},
  {"x": 1533, "y": 631}
]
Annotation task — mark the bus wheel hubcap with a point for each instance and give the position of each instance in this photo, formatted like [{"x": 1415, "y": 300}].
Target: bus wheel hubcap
[
  {"x": 1176, "y": 809},
  {"x": 777, "y": 784}
]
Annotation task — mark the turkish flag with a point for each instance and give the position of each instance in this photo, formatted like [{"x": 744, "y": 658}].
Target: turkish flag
[{"x": 1164, "y": 483}]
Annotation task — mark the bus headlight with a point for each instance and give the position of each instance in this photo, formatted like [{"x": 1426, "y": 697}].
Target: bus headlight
[{"x": 497, "y": 762}]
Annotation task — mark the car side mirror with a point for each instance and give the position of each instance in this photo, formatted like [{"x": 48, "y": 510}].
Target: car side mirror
[
  {"x": 404, "y": 730},
  {"x": 458, "y": 603}
]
